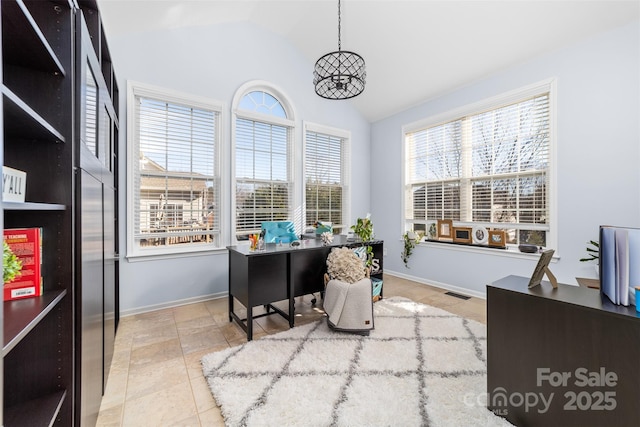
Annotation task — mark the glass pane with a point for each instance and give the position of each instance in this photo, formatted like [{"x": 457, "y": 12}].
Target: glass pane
[
  {"x": 91, "y": 112},
  {"x": 177, "y": 184},
  {"x": 262, "y": 102}
]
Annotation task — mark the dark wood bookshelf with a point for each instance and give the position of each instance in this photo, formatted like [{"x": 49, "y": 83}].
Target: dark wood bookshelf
[
  {"x": 38, "y": 89},
  {"x": 50, "y": 342}
]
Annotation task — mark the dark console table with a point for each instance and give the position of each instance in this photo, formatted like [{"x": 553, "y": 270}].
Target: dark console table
[
  {"x": 282, "y": 272},
  {"x": 561, "y": 357}
]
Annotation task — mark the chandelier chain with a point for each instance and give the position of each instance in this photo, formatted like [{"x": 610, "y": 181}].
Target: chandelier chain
[{"x": 339, "y": 25}]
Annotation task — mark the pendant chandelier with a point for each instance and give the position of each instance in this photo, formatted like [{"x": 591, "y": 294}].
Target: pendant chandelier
[{"x": 340, "y": 74}]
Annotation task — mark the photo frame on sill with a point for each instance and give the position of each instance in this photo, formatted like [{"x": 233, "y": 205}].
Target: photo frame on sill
[
  {"x": 462, "y": 235},
  {"x": 445, "y": 229},
  {"x": 497, "y": 238}
]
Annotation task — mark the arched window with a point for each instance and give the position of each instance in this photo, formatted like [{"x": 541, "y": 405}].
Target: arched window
[{"x": 262, "y": 156}]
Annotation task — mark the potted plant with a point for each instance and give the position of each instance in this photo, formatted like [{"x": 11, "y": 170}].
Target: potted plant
[
  {"x": 363, "y": 228},
  {"x": 411, "y": 239},
  {"x": 593, "y": 251}
]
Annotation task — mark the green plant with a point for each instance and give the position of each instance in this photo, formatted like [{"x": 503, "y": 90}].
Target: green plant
[
  {"x": 11, "y": 265},
  {"x": 363, "y": 228},
  {"x": 411, "y": 239},
  {"x": 593, "y": 251}
]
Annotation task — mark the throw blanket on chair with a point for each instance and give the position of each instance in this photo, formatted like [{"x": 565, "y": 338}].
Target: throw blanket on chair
[{"x": 349, "y": 306}]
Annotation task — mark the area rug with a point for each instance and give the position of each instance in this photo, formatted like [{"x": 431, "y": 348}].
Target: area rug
[{"x": 420, "y": 366}]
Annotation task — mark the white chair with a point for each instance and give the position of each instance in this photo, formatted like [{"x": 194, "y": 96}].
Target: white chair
[{"x": 349, "y": 306}]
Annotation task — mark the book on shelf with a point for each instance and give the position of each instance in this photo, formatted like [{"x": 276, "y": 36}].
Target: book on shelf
[
  {"x": 619, "y": 272},
  {"x": 26, "y": 244}
]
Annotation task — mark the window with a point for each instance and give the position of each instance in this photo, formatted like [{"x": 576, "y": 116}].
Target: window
[
  {"x": 263, "y": 159},
  {"x": 174, "y": 190},
  {"x": 326, "y": 154},
  {"x": 488, "y": 165}
]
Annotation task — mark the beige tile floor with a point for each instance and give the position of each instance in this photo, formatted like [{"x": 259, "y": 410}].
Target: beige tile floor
[{"x": 156, "y": 378}]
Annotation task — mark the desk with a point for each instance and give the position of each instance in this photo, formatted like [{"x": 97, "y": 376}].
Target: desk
[
  {"x": 565, "y": 345},
  {"x": 282, "y": 272}
]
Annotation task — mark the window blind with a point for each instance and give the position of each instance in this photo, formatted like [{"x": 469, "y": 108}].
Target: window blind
[
  {"x": 177, "y": 188},
  {"x": 263, "y": 183},
  {"x": 325, "y": 178}
]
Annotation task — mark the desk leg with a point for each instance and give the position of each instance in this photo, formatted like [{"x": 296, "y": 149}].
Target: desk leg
[
  {"x": 249, "y": 323},
  {"x": 292, "y": 297}
]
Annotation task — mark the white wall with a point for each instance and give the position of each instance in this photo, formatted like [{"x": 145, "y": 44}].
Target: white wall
[
  {"x": 213, "y": 62},
  {"x": 598, "y": 153}
]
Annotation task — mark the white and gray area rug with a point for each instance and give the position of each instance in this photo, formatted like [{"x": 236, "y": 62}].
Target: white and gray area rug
[{"x": 421, "y": 366}]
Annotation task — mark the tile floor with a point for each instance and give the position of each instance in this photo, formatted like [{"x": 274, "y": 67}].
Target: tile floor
[{"x": 156, "y": 378}]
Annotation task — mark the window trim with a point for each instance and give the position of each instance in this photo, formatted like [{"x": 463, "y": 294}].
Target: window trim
[
  {"x": 346, "y": 195},
  {"x": 135, "y": 89},
  {"x": 545, "y": 86},
  {"x": 290, "y": 122}
]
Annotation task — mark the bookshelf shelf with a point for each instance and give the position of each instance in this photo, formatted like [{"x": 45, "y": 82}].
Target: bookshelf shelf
[
  {"x": 21, "y": 316},
  {"x": 41, "y": 411},
  {"x": 34, "y": 51},
  {"x": 24, "y": 122},
  {"x": 33, "y": 206}
]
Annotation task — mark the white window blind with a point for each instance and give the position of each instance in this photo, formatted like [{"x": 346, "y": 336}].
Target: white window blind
[
  {"x": 176, "y": 184},
  {"x": 326, "y": 178},
  {"x": 263, "y": 177},
  {"x": 489, "y": 168}
]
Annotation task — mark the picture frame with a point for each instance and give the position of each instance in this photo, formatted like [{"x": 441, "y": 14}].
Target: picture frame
[
  {"x": 542, "y": 268},
  {"x": 497, "y": 238},
  {"x": 445, "y": 229},
  {"x": 480, "y": 235},
  {"x": 462, "y": 235}
]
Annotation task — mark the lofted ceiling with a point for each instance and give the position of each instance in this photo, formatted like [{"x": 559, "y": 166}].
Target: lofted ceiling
[{"x": 415, "y": 50}]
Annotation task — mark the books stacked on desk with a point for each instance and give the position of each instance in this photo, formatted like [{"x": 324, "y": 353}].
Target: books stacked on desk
[{"x": 619, "y": 270}]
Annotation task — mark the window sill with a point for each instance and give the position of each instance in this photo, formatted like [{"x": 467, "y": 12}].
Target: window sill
[
  {"x": 163, "y": 254},
  {"x": 511, "y": 251}
]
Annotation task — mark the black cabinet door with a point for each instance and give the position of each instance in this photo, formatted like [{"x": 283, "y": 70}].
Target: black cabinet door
[{"x": 90, "y": 298}]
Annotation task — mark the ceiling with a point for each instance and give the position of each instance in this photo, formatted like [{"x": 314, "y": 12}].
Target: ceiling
[{"x": 415, "y": 50}]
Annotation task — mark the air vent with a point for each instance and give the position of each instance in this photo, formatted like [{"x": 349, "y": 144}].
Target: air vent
[{"x": 453, "y": 294}]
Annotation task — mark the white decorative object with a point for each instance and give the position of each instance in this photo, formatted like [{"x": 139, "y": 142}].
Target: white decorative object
[
  {"x": 480, "y": 235},
  {"x": 327, "y": 237},
  {"x": 14, "y": 183},
  {"x": 343, "y": 264}
]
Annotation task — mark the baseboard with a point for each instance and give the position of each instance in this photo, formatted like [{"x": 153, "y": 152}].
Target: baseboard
[
  {"x": 448, "y": 287},
  {"x": 202, "y": 298},
  {"x": 171, "y": 304}
]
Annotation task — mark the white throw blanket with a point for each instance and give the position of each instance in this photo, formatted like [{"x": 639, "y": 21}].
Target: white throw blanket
[{"x": 349, "y": 306}]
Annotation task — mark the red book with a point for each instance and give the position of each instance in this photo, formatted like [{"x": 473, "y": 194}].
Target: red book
[{"x": 26, "y": 244}]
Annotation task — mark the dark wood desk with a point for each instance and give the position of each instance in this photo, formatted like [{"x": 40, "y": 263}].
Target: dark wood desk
[
  {"x": 282, "y": 272},
  {"x": 570, "y": 346}
]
